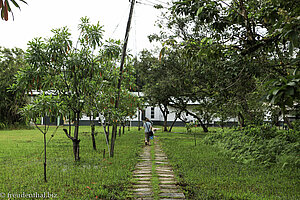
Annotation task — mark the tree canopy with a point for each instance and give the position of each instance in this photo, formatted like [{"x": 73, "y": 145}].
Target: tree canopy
[{"x": 229, "y": 51}]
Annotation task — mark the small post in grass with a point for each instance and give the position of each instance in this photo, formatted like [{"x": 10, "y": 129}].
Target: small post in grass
[
  {"x": 195, "y": 135},
  {"x": 103, "y": 153}
]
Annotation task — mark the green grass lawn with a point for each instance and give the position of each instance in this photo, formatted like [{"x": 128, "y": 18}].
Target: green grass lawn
[
  {"x": 205, "y": 172},
  {"x": 21, "y": 163}
]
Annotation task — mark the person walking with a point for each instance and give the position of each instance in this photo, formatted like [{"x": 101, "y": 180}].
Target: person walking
[{"x": 148, "y": 129}]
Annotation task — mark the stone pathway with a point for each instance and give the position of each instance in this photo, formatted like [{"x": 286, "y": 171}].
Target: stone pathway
[{"x": 155, "y": 172}]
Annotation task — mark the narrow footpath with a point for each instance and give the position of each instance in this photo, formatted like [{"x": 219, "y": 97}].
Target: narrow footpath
[{"x": 154, "y": 177}]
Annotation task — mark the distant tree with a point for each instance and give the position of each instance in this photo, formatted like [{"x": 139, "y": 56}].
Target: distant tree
[
  {"x": 155, "y": 74},
  {"x": 11, "y": 60},
  {"x": 5, "y": 8}
]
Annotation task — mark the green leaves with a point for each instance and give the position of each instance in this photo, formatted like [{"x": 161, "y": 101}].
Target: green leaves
[
  {"x": 91, "y": 35},
  {"x": 5, "y": 8},
  {"x": 11, "y": 60},
  {"x": 43, "y": 105},
  {"x": 284, "y": 91}
]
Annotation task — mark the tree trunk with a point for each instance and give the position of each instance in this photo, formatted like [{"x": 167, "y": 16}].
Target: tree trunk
[
  {"x": 76, "y": 149},
  {"x": 165, "y": 113},
  {"x": 139, "y": 122},
  {"x": 113, "y": 139},
  {"x": 286, "y": 119},
  {"x": 93, "y": 131},
  {"x": 123, "y": 128},
  {"x": 106, "y": 131},
  {"x": 75, "y": 140},
  {"x": 120, "y": 131},
  {"x": 106, "y": 134},
  {"x": 205, "y": 129},
  {"x": 70, "y": 125},
  {"x": 173, "y": 123},
  {"x": 241, "y": 120},
  {"x": 107, "y": 125},
  {"x": 45, "y": 161}
]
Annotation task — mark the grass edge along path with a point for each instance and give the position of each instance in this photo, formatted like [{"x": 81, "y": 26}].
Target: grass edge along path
[{"x": 205, "y": 172}]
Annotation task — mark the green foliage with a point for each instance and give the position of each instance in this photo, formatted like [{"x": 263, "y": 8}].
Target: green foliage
[
  {"x": 205, "y": 173},
  {"x": 11, "y": 60},
  {"x": 296, "y": 125},
  {"x": 5, "y": 8},
  {"x": 189, "y": 127},
  {"x": 264, "y": 145},
  {"x": 285, "y": 91},
  {"x": 225, "y": 51}
]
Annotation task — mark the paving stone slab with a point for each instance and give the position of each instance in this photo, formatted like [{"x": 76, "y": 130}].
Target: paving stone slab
[
  {"x": 169, "y": 190},
  {"x": 165, "y": 175},
  {"x": 167, "y": 182},
  {"x": 160, "y": 157},
  {"x": 145, "y": 198},
  {"x": 144, "y": 168},
  {"x": 147, "y": 189},
  {"x": 143, "y": 165},
  {"x": 145, "y": 156},
  {"x": 164, "y": 169},
  {"x": 173, "y": 195},
  {"x": 146, "y": 162},
  {"x": 142, "y": 175},
  {"x": 171, "y": 199},
  {"x": 161, "y": 163},
  {"x": 164, "y": 186},
  {"x": 165, "y": 178},
  {"x": 142, "y": 182},
  {"x": 142, "y": 171},
  {"x": 141, "y": 185},
  {"x": 143, "y": 194}
]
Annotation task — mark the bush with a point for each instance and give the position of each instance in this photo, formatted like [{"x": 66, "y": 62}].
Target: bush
[
  {"x": 296, "y": 125},
  {"x": 263, "y": 145}
]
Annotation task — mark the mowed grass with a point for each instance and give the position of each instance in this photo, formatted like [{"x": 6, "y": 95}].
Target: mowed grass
[
  {"x": 93, "y": 177},
  {"x": 205, "y": 172}
]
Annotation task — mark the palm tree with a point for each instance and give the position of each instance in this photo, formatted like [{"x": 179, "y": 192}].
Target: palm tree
[{"x": 5, "y": 8}]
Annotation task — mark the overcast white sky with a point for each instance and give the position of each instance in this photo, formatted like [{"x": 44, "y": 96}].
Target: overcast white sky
[{"x": 40, "y": 16}]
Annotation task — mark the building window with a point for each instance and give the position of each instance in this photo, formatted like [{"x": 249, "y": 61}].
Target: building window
[{"x": 152, "y": 112}]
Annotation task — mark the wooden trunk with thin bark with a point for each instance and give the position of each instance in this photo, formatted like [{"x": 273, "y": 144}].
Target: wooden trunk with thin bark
[{"x": 93, "y": 132}]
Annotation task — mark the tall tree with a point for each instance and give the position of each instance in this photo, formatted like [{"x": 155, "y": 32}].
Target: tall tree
[
  {"x": 235, "y": 47},
  {"x": 68, "y": 71}
]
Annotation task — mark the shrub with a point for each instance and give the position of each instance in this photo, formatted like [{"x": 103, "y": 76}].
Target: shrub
[{"x": 263, "y": 145}]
